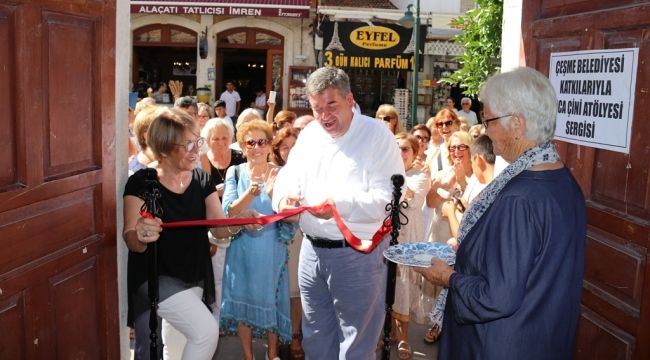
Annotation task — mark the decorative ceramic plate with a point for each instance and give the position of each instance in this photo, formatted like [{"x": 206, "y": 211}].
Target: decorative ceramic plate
[{"x": 420, "y": 254}]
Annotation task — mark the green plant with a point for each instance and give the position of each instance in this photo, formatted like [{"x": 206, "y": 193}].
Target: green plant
[{"x": 481, "y": 38}]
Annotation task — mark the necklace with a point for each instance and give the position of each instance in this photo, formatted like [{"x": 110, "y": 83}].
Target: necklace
[
  {"x": 177, "y": 182},
  {"x": 215, "y": 162},
  {"x": 222, "y": 175}
]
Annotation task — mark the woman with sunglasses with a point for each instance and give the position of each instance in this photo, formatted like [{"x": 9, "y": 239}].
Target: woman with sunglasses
[
  {"x": 446, "y": 122},
  {"x": 185, "y": 270},
  {"x": 255, "y": 282},
  {"x": 448, "y": 184},
  {"x": 423, "y": 134},
  {"x": 388, "y": 114}
]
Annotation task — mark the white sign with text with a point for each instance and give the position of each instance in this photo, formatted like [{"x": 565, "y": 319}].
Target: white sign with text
[{"x": 595, "y": 92}]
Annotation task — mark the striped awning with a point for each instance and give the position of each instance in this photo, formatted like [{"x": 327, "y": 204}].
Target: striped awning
[{"x": 279, "y": 8}]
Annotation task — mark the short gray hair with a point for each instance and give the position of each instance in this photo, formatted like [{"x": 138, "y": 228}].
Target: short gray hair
[
  {"x": 466, "y": 99},
  {"x": 482, "y": 145},
  {"x": 212, "y": 124},
  {"x": 328, "y": 77},
  {"x": 525, "y": 92}
]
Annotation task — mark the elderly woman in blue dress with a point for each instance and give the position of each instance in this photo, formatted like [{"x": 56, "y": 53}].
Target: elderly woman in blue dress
[
  {"x": 255, "y": 285},
  {"x": 514, "y": 292}
]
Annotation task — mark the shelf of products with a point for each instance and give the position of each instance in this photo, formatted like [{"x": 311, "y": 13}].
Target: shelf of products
[{"x": 298, "y": 99}]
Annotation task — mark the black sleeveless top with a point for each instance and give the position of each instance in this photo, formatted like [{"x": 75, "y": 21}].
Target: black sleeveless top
[
  {"x": 218, "y": 175},
  {"x": 183, "y": 253}
]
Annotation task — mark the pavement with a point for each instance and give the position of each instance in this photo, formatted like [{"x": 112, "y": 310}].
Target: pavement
[{"x": 230, "y": 349}]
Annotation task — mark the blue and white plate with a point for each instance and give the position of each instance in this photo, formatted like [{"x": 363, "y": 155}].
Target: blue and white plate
[{"x": 420, "y": 254}]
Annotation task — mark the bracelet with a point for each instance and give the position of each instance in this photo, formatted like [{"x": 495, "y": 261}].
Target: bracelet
[{"x": 230, "y": 231}]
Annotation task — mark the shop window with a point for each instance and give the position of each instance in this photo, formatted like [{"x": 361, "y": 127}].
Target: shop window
[
  {"x": 235, "y": 38},
  {"x": 266, "y": 39},
  {"x": 150, "y": 36},
  {"x": 240, "y": 37},
  {"x": 179, "y": 36},
  {"x": 164, "y": 35}
]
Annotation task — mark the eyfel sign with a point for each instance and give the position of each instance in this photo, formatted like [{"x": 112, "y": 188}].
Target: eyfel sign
[{"x": 595, "y": 91}]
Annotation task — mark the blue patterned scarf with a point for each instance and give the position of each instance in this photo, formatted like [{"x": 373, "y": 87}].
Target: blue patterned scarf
[{"x": 544, "y": 153}]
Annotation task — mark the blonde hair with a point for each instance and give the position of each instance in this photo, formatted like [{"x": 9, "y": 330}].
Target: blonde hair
[
  {"x": 142, "y": 122},
  {"x": 248, "y": 114},
  {"x": 392, "y": 112}
]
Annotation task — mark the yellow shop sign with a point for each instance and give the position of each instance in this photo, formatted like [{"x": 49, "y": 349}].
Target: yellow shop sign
[{"x": 374, "y": 37}]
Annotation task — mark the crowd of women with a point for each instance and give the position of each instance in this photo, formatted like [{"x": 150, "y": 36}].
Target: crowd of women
[{"x": 246, "y": 276}]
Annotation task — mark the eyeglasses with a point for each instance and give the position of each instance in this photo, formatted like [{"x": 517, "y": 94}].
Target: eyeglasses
[
  {"x": 385, "y": 118},
  {"x": 250, "y": 143},
  {"x": 461, "y": 147},
  {"x": 486, "y": 121},
  {"x": 466, "y": 104},
  {"x": 191, "y": 145},
  {"x": 447, "y": 123},
  {"x": 422, "y": 138}
]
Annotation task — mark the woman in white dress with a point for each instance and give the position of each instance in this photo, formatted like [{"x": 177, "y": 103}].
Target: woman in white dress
[
  {"x": 448, "y": 183},
  {"x": 417, "y": 186}
]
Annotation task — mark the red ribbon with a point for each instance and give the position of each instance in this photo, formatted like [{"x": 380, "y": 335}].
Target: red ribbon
[{"x": 364, "y": 246}]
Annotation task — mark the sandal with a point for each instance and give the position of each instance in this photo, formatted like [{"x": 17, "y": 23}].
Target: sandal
[
  {"x": 297, "y": 353},
  {"x": 404, "y": 350},
  {"x": 433, "y": 334}
]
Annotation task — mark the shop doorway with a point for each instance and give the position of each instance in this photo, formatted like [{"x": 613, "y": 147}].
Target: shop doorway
[
  {"x": 158, "y": 65},
  {"x": 253, "y": 59},
  {"x": 162, "y": 53},
  {"x": 247, "y": 70}
]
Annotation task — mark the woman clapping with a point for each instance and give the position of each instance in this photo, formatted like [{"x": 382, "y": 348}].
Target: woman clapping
[{"x": 256, "y": 291}]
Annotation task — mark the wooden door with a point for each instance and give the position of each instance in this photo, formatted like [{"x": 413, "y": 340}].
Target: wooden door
[
  {"x": 58, "y": 291},
  {"x": 615, "y": 316}
]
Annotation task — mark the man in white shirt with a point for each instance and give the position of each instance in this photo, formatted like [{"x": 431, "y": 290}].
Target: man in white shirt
[
  {"x": 232, "y": 99},
  {"x": 466, "y": 113},
  {"x": 347, "y": 161},
  {"x": 260, "y": 101}
]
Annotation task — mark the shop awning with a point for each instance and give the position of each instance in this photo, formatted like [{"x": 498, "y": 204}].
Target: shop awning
[{"x": 279, "y": 8}]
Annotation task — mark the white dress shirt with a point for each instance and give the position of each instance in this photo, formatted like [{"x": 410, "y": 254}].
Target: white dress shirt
[{"x": 354, "y": 170}]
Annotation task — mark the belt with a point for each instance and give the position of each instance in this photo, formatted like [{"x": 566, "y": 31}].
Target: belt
[{"x": 320, "y": 242}]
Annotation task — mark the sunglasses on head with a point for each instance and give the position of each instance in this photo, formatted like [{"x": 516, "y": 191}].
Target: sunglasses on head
[
  {"x": 447, "y": 123},
  {"x": 250, "y": 143}
]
